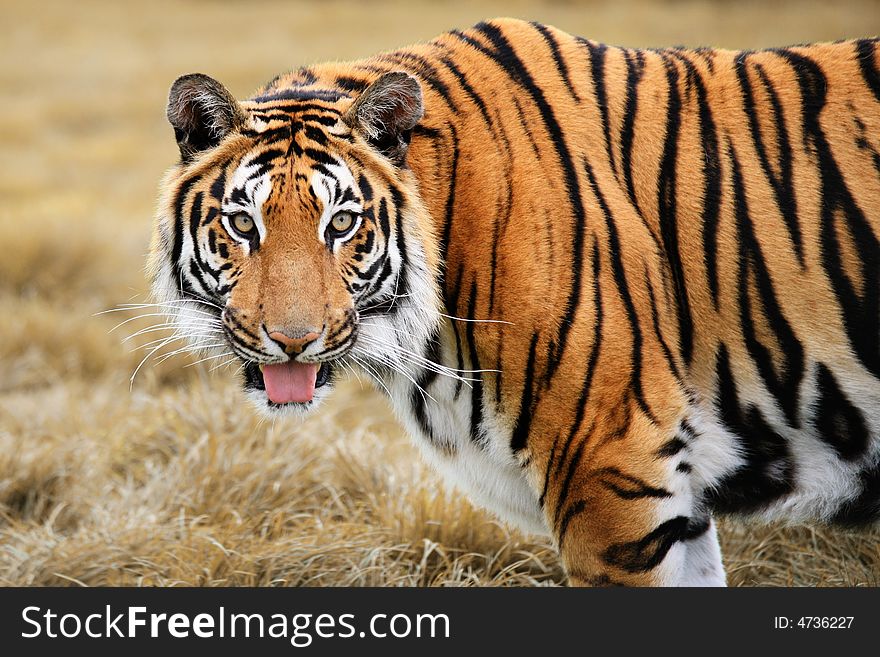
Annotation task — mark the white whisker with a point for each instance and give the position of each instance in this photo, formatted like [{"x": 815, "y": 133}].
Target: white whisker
[
  {"x": 226, "y": 362},
  {"x": 136, "y": 317},
  {"x": 212, "y": 357},
  {"x": 167, "y": 326},
  {"x": 416, "y": 359},
  {"x": 427, "y": 360},
  {"x": 385, "y": 298},
  {"x": 394, "y": 366},
  {"x": 369, "y": 370},
  {"x": 127, "y": 307},
  {"x": 172, "y": 338},
  {"x": 195, "y": 299},
  {"x": 478, "y": 321},
  {"x": 193, "y": 348},
  {"x": 144, "y": 360}
]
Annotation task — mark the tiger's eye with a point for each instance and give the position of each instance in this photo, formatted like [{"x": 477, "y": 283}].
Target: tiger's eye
[
  {"x": 342, "y": 222},
  {"x": 243, "y": 224}
]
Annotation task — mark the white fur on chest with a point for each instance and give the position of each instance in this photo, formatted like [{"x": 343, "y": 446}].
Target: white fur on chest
[{"x": 485, "y": 470}]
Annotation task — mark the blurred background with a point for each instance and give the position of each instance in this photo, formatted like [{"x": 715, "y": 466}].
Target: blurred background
[{"x": 173, "y": 480}]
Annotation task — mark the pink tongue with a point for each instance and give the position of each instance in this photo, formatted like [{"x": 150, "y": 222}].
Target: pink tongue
[{"x": 290, "y": 381}]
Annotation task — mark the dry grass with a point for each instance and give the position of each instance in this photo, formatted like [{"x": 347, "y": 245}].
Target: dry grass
[{"x": 176, "y": 482}]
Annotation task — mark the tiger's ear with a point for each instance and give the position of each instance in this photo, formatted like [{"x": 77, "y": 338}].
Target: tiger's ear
[
  {"x": 202, "y": 112},
  {"x": 386, "y": 113}
]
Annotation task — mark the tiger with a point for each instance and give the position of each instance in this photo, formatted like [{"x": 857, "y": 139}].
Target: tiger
[{"x": 611, "y": 293}]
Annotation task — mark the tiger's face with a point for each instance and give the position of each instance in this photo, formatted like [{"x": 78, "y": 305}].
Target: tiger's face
[{"x": 292, "y": 236}]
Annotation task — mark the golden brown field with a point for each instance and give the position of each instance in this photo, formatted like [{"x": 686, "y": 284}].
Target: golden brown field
[{"x": 175, "y": 482}]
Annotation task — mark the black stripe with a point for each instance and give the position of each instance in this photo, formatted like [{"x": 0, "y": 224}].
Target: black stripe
[
  {"x": 500, "y": 221},
  {"x": 320, "y": 156},
  {"x": 476, "y": 416},
  {"x": 711, "y": 187},
  {"x": 449, "y": 212},
  {"x": 573, "y": 511},
  {"x": 263, "y": 161},
  {"x": 626, "y": 297},
  {"x": 687, "y": 430},
  {"x": 178, "y": 228},
  {"x": 602, "y": 580},
  {"x": 218, "y": 187},
  {"x": 634, "y": 70},
  {"x": 628, "y": 487},
  {"x": 385, "y": 229},
  {"x": 528, "y": 402},
  {"x": 271, "y": 135},
  {"x": 840, "y": 424},
  {"x": 366, "y": 246},
  {"x": 782, "y": 186},
  {"x": 370, "y": 273},
  {"x": 424, "y": 131},
  {"x": 210, "y": 215},
  {"x": 866, "y": 54},
  {"x": 561, "y": 66},
  {"x": 297, "y": 93},
  {"x": 547, "y": 472},
  {"x": 399, "y": 205},
  {"x": 476, "y": 386},
  {"x": 525, "y": 126},
  {"x": 593, "y": 359},
  {"x": 365, "y": 187},
  {"x": 597, "y": 71},
  {"x": 195, "y": 220},
  {"x": 232, "y": 319},
  {"x": 506, "y": 57},
  {"x": 418, "y": 397},
  {"x": 671, "y": 447},
  {"x": 196, "y": 273},
  {"x": 707, "y": 55},
  {"x": 304, "y": 110},
  {"x": 667, "y": 203},
  {"x": 648, "y": 552},
  {"x": 198, "y": 264},
  {"x": 569, "y": 476},
  {"x": 328, "y": 121},
  {"x": 768, "y": 472},
  {"x": 427, "y": 74},
  {"x": 304, "y": 75},
  {"x": 655, "y": 321},
  {"x": 784, "y": 385},
  {"x": 863, "y": 143},
  {"x": 452, "y": 295},
  {"x": 316, "y": 135},
  {"x": 468, "y": 89},
  {"x": 861, "y": 312},
  {"x": 347, "y": 83},
  {"x": 697, "y": 527}
]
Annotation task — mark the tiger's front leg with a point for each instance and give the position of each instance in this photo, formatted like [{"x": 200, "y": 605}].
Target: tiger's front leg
[{"x": 622, "y": 509}]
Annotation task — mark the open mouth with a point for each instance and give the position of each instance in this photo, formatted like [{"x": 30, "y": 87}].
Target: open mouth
[{"x": 287, "y": 383}]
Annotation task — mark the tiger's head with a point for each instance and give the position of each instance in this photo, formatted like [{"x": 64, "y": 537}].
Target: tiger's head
[{"x": 292, "y": 236}]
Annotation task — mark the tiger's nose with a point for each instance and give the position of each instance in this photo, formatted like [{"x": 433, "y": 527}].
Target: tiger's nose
[{"x": 294, "y": 345}]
